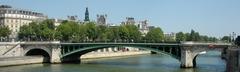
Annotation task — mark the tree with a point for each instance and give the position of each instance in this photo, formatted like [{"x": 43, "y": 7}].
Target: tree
[
  {"x": 155, "y": 35},
  {"x": 123, "y": 32},
  {"x": 188, "y": 37},
  {"x": 4, "y": 31},
  {"x": 237, "y": 41},
  {"x": 44, "y": 30},
  {"x": 212, "y": 39},
  {"x": 193, "y": 36},
  {"x": 81, "y": 33},
  {"x": 134, "y": 33},
  {"x": 102, "y": 31},
  {"x": 69, "y": 31},
  {"x": 204, "y": 38},
  {"x": 28, "y": 32},
  {"x": 226, "y": 38},
  {"x": 92, "y": 31},
  {"x": 180, "y": 36},
  {"x": 113, "y": 33}
]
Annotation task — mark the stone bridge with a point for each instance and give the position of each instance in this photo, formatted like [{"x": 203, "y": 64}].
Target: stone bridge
[{"x": 57, "y": 52}]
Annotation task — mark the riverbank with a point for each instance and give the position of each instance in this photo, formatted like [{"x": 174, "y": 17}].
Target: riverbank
[
  {"x": 12, "y": 61},
  {"x": 95, "y": 55}
]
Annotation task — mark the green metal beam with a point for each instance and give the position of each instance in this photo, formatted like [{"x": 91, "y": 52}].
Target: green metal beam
[{"x": 97, "y": 46}]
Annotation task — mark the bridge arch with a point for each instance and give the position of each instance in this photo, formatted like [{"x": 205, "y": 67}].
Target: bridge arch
[
  {"x": 204, "y": 51},
  {"x": 81, "y": 51},
  {"x": 39, "y": 52}
]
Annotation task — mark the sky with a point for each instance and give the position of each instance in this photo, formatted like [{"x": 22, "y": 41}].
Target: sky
[{"x": 208, "y": 17}]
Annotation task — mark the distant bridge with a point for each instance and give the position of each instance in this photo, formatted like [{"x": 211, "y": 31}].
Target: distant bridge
[{"x": 58, "y": 52}]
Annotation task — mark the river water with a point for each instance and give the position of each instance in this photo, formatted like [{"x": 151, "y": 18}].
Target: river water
[{"x": 210, "y": 62}]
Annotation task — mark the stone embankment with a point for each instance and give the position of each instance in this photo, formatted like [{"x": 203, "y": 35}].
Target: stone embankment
[
  {"x": 10, "y": 49},
  {"x": 233, "y": 60},
  {"x": 11, "y": 61}
]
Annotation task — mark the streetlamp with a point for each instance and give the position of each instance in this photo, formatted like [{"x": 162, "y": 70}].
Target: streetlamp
[
  {"x": 234, "y": 34},
  {"x": 232, "y": 37}
]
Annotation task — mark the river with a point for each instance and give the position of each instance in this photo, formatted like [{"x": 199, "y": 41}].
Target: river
[{"x": 210, "y": 62}]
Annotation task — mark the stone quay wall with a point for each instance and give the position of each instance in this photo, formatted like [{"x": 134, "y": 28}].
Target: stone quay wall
[
  {"x": 12, "y": 61},
  {"x": 233, "y": 60}
]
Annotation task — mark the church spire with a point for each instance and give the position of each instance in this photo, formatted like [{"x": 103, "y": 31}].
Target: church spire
[{"x": 86, "y": 15}]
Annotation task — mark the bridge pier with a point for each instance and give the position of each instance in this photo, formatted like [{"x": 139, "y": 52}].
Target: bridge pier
[
  {"x": 188, "y": 59},
  {"x": 55, "y": 55}
]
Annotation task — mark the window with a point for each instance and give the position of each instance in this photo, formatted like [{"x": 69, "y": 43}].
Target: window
[
  {"x": 11, "y": 11},
  {"x": 16, "y": 21}
]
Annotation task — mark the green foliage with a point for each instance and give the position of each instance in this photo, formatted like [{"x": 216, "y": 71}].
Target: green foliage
[
  {"x": 226, "y": 38},
  {"x": 37, "y": 31},
  {"x": 194, "y": 36},
  {"x": 180, "y": 36},
  {"x": 155, "y": 35},
  {"x": 134, "y": 33},
  {"x": 92, "y": 31},
  {"x": 70, "y": 31},
  {"x": 113, "y": 33},
  {"x": 123, "y": 32},
  {"x": 4, "y": 31}
]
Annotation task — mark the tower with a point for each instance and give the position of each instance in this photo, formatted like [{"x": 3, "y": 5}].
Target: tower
[
  {"x": 102, "y": 19},
  {"x": 86, "y": 15}
]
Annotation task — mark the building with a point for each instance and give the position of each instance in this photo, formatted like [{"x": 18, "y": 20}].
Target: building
[
  {"x": 72, "y": 18},
  {"x": 129, "y": 20},
  {"x": 151, "y": 27},
  {"x": 143, "y": 27},
  {"x": 86, "y": 15},
  {"x": 15, "y": 18},
  {"x": 56, "y": 21},
  {"x": 102, "y": 19},
  {"x": 170, "y": 36}
]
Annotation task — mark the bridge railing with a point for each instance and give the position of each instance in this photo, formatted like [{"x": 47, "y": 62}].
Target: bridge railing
[
  {"x": 120, "y": 41},
  {"x": 139, "y": 42}
]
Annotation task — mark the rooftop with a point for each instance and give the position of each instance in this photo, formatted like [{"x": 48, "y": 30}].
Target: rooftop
[{"x": 5, "y": 6}]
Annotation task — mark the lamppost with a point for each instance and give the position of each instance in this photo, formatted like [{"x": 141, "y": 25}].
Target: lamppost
[
  {"x": 233, "y": 34},
  {"x": 232, "y": 37}
]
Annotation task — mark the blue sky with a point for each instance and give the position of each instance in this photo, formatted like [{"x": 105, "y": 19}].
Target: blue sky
[{"x": 209, "y": 17}]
